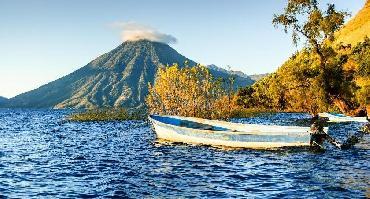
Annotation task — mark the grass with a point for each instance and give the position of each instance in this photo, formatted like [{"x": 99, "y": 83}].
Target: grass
[{"x": 112, "y": 114}]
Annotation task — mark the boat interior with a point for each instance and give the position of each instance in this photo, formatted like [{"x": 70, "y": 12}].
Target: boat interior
[{"x": 187, "y": 123}]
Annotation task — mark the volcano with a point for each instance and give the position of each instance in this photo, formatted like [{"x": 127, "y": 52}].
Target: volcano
[{"x": 118, "y": 78}]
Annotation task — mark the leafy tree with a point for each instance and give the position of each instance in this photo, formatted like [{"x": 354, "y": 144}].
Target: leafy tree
[
  {"x": 188, "y": 91},
  {"x": 244, "y": 97},
  {"x": 306, "y": 20},
  {"x": 361, "y": 64},
  {"x": 322, "y": 76}
]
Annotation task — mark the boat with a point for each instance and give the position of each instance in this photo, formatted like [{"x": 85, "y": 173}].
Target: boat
[
  {"x": 342, "y": 118},
  {"x": 193, "y": 130}
]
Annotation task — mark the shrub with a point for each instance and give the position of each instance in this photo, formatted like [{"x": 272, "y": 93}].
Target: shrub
[{"x": 188, "y": 91}]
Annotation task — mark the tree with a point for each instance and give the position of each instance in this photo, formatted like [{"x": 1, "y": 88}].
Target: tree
[
  {"x": 361, "y": 60},
  {"x": 229, "y": 83},
  {"x": 187, "y": 91},
  {"x": 244, "y": 97},
  {"x": 306, "y": 20}
]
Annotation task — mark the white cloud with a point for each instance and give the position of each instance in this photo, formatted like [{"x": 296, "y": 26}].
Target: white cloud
[{"x": 132, "y": 31}]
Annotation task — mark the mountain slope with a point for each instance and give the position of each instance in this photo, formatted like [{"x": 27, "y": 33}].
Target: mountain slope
[
  {"x": 257, "y": 77},
  {"x": 240, "y": 79},
  {"x": 3, "y": 100},
  {"x": 357, "y": 28},
  {"x": 298, "y": 84},
  {"x": 117, "y": 78}
]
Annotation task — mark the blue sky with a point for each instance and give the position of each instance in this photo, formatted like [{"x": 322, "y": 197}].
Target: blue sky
[{"x": 42, "y": 40}]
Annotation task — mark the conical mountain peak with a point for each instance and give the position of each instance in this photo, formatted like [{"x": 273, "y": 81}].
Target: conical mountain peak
[{"x": 117, "y": 78}]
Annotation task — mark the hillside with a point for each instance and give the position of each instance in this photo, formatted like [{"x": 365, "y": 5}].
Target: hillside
[
  {"x": 117, "y": 78},
  {"x": 3, "y": 100},
  {"x": 241, "y": 79},
  {"x": 357, "y": 28},
  {"x": 301, "y": 84},
  {"x": 257, "y": 77}
]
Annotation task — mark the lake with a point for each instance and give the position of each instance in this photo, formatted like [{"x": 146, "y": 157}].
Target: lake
[{"x": 41, "y": 155}]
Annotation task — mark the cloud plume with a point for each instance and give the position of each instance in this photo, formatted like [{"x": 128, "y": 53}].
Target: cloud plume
[{"x": 132, "y": 31}]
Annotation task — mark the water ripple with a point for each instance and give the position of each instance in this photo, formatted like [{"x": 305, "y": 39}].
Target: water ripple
[{"x": 43, "y": 156}]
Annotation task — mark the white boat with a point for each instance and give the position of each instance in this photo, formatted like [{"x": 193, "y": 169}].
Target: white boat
[
  {"x": 227, "y": 134},
  {"x": 342, "y": 118}
]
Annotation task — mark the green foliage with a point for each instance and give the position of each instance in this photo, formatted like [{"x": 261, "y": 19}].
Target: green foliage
[
  {"x": 298, "y": 85},
  {"x": 304, "y": 18},
  {"x": 361, "y": 57},
  {"x": 244, "y": 97},
  {"x": 117, "y": 114},
  {"x": 118, "y": 78},
  {"x": 321, "y": 75},
  {"x": 361, "y": 54}
]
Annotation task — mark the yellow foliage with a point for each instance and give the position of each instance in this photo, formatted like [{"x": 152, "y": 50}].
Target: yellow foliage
[
  {"x": 350, "y": 66},
  {"x": 363, "y": 95},
  {"x": 357, "y": 28},
  {"x": 188, "y": 91}
]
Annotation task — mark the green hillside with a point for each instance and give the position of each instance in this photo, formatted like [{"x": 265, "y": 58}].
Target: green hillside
[
  {"x": 301, "y": 84},
  {"x": 3, "y": 100},
  {"x": 118, "y": 78}
]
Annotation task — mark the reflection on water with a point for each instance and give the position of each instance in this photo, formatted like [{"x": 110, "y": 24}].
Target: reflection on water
[{"x": 40, "y": 155}]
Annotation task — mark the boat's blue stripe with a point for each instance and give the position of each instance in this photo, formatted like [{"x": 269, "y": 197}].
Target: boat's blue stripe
[{"x": 186, "y": 123}]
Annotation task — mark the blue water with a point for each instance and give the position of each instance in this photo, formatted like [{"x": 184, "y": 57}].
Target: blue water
[{"x": 42, "y": 156}]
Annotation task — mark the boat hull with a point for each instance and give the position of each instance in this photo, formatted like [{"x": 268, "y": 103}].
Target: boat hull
[
  {"x": 236, "y": 135},
  {"x": 336, "y": 118}
]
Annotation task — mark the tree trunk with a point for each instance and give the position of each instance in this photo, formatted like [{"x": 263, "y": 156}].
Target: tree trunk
[
  {"x": 350, "y": 110},
  {"x": 342, "y": 105},
  {"x": 359, "y": 112},
  {"x": 324, "y": 73}
]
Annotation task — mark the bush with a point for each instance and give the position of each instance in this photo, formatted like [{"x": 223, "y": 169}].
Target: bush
[
  {"x": 114, "y": 114},
  {"x": 188, "y": 91},
  {"x": 298, "y": 86}
]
